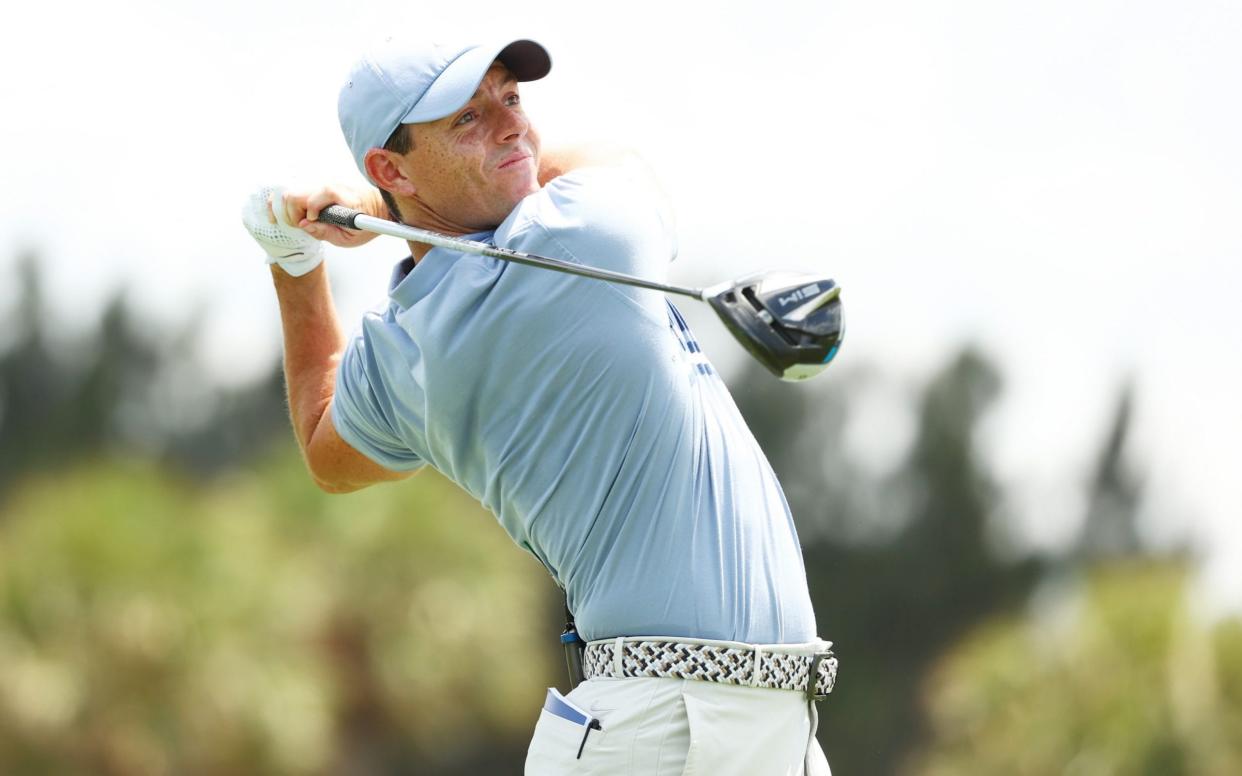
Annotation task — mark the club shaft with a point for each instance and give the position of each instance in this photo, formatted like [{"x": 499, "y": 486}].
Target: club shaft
[{"x": 356, "y": 220}]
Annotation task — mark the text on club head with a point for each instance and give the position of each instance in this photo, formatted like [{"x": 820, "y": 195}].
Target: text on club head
[{"x": 806, "y": 292}]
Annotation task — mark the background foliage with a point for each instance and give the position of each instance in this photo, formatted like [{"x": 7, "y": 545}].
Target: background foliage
[{"x": 176, "y": 597}]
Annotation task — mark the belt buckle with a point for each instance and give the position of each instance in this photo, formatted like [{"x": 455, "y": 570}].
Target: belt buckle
[{"x": 812, "y": 680}]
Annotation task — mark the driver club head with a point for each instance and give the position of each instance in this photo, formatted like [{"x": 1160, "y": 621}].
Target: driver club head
[{"x": 793, "y": 323}]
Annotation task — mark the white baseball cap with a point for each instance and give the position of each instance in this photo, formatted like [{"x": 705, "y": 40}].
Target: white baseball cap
[{"x": 411, "y": 82}]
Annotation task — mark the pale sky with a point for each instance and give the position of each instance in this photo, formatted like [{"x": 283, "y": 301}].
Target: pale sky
[{"x": 1060, "y": 182}]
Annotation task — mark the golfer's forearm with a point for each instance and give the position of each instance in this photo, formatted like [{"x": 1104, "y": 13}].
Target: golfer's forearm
[
  {"x": 313, "y": 344},
  {"x": 555, "y": 162}
]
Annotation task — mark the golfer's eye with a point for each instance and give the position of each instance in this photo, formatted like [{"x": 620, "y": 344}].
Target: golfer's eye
[
  {"x": 464, "y": 118},
  {"x": 513, "y": 99}
]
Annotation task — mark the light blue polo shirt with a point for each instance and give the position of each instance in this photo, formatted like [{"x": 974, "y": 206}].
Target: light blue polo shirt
[{"x": 585, "y": 417}]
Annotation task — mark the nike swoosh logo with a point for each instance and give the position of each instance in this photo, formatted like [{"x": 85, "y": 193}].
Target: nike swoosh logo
[{"x": 291, "y": 255}]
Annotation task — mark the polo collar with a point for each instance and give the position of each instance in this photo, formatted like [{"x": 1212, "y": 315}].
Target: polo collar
[{"x": 411, "y": 282}]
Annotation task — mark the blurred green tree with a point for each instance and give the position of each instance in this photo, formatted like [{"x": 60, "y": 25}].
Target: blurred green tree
[
  {"x": 1110, "y": 526},
  {"x": 126, "y": 388},
  {"x": 1117, "y": 676},
  {"x": 257, "y": 626},
  {"x": 891, "y": 604}
]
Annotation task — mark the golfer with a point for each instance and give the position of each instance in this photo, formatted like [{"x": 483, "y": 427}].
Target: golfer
[{"x": 581, "y": 413}]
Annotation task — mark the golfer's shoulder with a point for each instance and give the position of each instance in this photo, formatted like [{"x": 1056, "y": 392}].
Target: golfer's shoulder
[{"x": 598, "y": 207}]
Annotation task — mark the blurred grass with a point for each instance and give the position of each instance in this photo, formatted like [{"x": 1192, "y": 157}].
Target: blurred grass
[{"x": 254, "y": 625}]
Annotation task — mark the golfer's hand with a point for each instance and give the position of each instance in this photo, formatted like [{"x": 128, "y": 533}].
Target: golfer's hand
[
  {"x": 293, "y": 249},
  {"x": 302, "y": 208}
]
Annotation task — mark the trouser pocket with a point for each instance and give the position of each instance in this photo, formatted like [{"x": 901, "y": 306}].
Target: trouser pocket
[
  {"x": 559, "y": 747},
  {"x": 743, "y": 731}
]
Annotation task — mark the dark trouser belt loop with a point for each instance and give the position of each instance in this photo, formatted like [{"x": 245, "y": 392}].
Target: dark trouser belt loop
[{"x": 812, "y": 686}]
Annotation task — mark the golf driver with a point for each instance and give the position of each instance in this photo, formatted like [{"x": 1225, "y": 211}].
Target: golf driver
[{"x": 791, "y": 322}]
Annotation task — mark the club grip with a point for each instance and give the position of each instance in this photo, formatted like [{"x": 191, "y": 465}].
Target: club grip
[{"x": 339, "y": 215}]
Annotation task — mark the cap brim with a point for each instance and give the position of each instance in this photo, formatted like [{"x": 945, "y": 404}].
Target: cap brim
[
  {"x": 457, "y": 83},
  {"x": 526, "y": 59}
]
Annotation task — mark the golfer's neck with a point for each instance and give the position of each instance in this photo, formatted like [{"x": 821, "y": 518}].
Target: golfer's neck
[
  {"x": 417, "y": 250},
  {"x": 416, "y": 213}
]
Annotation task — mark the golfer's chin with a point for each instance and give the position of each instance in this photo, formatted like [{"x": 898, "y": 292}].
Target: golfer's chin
[
  {"x": 522, "y": 174},
  {"x": 517, "y": 181}
]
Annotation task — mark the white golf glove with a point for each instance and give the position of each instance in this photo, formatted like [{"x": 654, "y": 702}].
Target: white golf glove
[{"x": 293, "y": 249}]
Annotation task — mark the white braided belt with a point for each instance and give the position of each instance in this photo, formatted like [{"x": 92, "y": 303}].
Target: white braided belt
[{"x": 745, "y": 665}]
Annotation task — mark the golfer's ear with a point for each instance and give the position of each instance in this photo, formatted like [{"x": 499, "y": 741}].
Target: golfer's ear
[{"x": 385, "y": 169}]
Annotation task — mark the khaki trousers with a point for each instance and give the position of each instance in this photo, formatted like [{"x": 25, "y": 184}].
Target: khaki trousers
[{"x": 680, "y": 727}]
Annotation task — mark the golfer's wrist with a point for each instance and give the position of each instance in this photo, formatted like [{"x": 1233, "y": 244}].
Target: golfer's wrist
[
  {"x": 283, "y": 275},
  {"x": 296, "y": 268}
]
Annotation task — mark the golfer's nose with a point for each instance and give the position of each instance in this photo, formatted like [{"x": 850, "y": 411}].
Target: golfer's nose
[{"x": 512, "y": 126}]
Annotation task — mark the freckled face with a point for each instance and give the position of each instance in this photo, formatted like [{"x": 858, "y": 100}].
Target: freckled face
[{"x": 473, "y": 166}]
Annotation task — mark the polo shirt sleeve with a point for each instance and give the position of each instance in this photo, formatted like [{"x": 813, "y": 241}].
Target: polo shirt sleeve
[
  {"x": 365, "y": 407},
  {"x": 614, "y": 218}
]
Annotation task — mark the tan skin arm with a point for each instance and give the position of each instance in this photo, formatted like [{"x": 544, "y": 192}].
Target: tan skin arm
[
  {"x": 313, "y": 347},
  {"x": 555, "y": 163}
]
